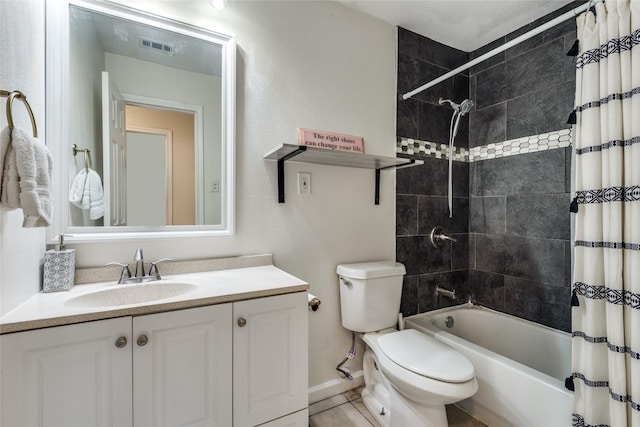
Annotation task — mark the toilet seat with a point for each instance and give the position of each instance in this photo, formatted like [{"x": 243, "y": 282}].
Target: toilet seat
[
  {"x": 426, "y": 356},
  {"x": 419, "y": 389}
]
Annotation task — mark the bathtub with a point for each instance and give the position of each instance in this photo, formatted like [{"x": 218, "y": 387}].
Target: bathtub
[{"x": 520, "y": 365}]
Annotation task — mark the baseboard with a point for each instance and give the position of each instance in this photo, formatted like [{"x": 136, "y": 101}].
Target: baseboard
[{"x": 335, "y": 387}]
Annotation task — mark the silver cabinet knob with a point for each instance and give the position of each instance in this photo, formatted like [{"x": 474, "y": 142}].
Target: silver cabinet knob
[
  {"x": 242, "y": 322},
  {"x": 142, "y": 340},
  {"x": 121, "y": 342}
]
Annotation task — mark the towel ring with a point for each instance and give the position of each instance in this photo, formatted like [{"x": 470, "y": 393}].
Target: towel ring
[
  {"x": 87, "y": 155},
  {"x": 21, "y": 96}
]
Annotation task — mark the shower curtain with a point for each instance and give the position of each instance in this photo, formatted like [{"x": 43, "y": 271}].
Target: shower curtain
[{"x": 606, "y": 282}]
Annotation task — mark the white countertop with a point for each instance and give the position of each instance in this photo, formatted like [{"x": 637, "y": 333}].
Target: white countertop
[{"x": 211, "y": 287}]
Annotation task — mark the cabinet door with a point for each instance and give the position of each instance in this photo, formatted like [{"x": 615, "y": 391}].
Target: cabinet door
[
  {"x": 270, "y": 375},
  {"x": 67, "y": 376},
  {"x": 182, "y": 373}
]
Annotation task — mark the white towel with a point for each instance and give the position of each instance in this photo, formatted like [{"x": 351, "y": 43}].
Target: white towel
[
  {"x": 38, "y": 207},
  {"x": 86, "y": 193},
  {"x": 77, "y": 188},
  {"x": 26, "y": 176},
  {"x": 9, "y": 179},
  {"x": 34, "y": 163}
]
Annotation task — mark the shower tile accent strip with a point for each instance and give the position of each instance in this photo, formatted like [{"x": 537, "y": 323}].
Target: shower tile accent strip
[
  {"x": 430, "y": 149},
  {"x": 527, "y": 144}
]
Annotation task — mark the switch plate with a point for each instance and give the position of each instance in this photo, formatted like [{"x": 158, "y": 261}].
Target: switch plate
[{"x": 304, "y": 183}]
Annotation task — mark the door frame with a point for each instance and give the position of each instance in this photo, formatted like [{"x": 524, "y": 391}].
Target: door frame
[{"x": 198, "y": 138}]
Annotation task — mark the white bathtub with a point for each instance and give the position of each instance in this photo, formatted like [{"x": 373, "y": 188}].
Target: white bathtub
[{"x": 520, "y": 365}]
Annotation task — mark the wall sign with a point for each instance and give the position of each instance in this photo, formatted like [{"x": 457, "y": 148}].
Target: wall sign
[{"x": 330, "y": 140}]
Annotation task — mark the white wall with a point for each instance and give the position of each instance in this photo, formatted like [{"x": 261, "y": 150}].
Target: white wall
[
  {"x": 21, "y": 68},
  {"x": 306, "y": 64}
]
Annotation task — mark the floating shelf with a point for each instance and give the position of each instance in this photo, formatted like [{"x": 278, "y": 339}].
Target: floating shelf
[{"x": 304, "y": 154}]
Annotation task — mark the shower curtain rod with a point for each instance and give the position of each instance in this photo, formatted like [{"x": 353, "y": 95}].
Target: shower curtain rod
[{"x": 552, "y": 23}]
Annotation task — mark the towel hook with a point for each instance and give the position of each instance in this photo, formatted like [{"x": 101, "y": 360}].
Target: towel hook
[{"x": 21, "y": 96}]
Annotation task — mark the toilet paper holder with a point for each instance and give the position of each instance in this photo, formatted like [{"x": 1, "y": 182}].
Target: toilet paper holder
[{"x": 313, "y": 302}]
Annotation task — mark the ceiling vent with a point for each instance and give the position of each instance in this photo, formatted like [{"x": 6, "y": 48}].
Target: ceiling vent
[{"x": 157, "y": 46}]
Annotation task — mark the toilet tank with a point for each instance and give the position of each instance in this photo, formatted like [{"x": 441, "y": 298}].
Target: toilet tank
[{"x": 370, "y": 294}]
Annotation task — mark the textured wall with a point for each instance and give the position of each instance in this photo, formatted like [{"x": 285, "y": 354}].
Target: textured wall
[{"x": 21, "y": 68}]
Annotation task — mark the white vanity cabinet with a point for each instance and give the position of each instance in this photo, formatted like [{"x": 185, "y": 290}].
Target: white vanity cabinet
[
  {"x": 270, "y": 359},
  {"x": 67, "y": 376},
  {"x": 182, "y": 368},
  {"x": 200, "y": 366}
]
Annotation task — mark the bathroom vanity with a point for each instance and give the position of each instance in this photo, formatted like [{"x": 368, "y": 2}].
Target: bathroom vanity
[{"x": 231, "y": 351}]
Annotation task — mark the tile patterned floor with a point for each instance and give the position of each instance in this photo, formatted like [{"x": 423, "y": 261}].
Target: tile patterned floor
[{"x": 347, "y": 410}]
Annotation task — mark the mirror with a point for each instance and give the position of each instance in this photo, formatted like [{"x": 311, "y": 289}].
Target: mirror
[{"x": 140, "y": 119}]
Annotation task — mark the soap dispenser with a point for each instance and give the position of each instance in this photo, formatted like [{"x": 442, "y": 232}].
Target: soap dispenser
[{"x": 59, "y": 268}]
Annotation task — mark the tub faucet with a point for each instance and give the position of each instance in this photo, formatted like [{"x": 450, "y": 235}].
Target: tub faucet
[
  {"x": 445, "y": 292},
  {"x": 438, "y": 237}
]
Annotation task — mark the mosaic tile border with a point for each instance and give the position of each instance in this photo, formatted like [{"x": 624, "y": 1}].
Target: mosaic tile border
[
  {"x": 512, "y": 147},
  {"x": 430, "y": 149}
]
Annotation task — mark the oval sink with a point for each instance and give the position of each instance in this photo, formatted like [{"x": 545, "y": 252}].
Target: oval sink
[{"x": 131, "y": 294}]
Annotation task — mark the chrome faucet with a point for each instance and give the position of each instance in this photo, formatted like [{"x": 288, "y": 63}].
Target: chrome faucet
[
  {"x": 438, "y": 237},
  {"x": 139, "y": 260},
  {"x": 139, "y": 275},
  {"x": 446, "y": 292}
]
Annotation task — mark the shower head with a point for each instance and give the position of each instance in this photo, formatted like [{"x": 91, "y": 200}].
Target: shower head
[
  {"x": 463, "y": 108},
  {"x": 466, "y": 106}
]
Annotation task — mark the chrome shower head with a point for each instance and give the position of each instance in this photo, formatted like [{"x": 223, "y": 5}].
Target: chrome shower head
[
  {"x": 463, "y": 108},
  {"x": 466, "y": 106}
]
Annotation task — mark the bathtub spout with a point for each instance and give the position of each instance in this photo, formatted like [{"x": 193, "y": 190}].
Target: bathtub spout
[{"x": 445, "y": 292}]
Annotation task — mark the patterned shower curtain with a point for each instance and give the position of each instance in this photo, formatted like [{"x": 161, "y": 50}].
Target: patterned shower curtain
[{"x": 606, "y": 288}]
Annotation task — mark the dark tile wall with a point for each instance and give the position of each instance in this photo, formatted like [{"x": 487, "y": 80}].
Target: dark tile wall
[
  {"x": 420, "y": 60},
  {"x": 519, "y": 221},
  {"x": 422, "y": 191},
  {"x": 511, "y": 214}
]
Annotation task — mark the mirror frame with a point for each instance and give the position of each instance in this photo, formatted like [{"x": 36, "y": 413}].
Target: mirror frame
[{"x": 57, "y": 126}]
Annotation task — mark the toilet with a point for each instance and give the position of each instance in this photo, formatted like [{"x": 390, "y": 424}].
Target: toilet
[{"x": 409, "y": 376}]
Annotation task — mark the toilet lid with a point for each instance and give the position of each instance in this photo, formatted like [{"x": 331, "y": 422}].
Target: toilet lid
[{"x": 426, "y": 356}]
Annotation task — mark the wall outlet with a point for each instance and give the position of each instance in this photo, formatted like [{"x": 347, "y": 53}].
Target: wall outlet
[
  {"x": 215, "y": 186},
  {"x": 304, "y": 183}
]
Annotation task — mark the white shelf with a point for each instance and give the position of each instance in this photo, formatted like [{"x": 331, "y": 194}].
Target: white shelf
[{"x": 304, "y": 154}]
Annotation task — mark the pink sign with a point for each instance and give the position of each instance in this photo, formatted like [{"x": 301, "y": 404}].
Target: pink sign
[{"x": 330, "y": 140}]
